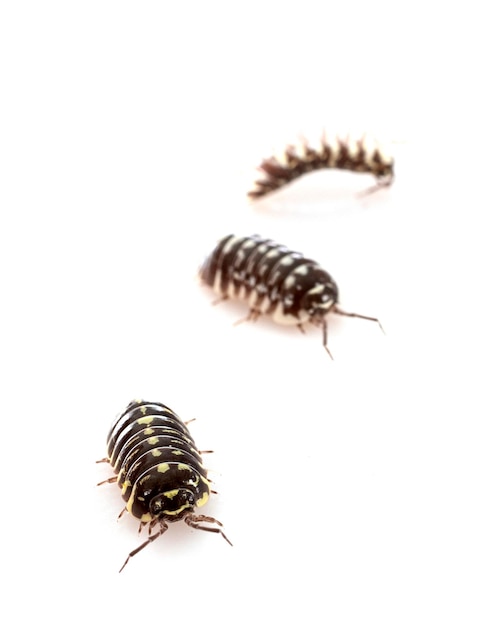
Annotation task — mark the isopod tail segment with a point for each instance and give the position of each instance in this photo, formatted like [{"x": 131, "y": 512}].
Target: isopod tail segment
[{"x": 192, "y": 520}]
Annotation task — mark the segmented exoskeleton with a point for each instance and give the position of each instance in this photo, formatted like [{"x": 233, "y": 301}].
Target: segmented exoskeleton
[
  {"x": 159, "y": 469},
  {"x": 356, "y": 155},
  {"x": 274, "y": 281}
]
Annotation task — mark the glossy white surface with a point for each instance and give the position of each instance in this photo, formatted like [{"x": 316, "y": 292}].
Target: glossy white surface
[{"x": 362, "y": 490}]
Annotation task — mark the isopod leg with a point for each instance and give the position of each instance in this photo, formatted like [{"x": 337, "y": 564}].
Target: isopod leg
[
  {"x": 143, "y": 545},
  {"x": 252, "y": 316},
  {"x": 380, "y": 184},
  {"x": 195, "y": 521},
  {"x": 325, "y": 338},
  {"x": 218, "y": 300},
  {"x": 124, "y": 510},
  {"x": 113, "y": 479}
]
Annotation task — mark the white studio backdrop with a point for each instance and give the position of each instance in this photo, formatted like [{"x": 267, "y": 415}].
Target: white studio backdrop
[{"x": 362, "y": 490}]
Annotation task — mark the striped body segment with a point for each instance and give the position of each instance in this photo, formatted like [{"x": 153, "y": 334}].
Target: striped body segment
[
  {"x": 270, "y": 278},
  {"x": 361, "y": 155},
  {"x": 153, "y": 454},
  {"x": 158, "y": 468},
  {"x": 273, "y": 281}
]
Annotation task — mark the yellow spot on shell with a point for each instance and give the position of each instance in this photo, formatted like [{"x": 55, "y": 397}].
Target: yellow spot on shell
[
  {"x": 171, "y": 494},
  {"x": 202, "y": 501},
  {"x": 145, "y": 420},
  {"x": 152, "y": 441},
  {"x": 163, "y": 467},
  {"x": 156, "y": 453}
]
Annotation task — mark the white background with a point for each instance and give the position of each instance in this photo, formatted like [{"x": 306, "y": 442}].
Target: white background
[{"x": 364, "y": 490}]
